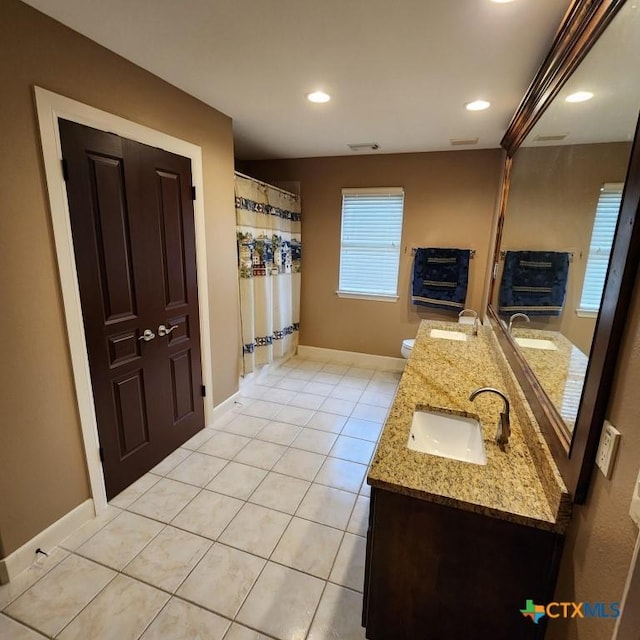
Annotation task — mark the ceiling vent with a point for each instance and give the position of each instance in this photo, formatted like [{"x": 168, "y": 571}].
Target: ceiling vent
[
  {"x": 364, "y": 146},
  {"x": 463, "y": 142},
  {"x": 553, "y": 138}
]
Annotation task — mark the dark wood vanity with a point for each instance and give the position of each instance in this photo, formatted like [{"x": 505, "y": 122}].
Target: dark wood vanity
[
  {"x": 455, "y": 549},
  {"x": 435, "y": 572}
]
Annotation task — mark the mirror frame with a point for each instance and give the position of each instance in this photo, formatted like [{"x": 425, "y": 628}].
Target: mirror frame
[{"x": 582, "y": 25}]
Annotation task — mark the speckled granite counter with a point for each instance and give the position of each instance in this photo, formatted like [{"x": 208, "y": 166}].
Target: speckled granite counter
[
  {"x": 561, "y": 372},
  {"x": 442, "y": 373}
]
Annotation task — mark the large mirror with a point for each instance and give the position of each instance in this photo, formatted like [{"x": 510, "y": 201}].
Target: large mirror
[{"x": 565, "y": 189}]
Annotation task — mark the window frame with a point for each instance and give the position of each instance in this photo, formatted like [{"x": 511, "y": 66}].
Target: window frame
[
  {"x": 600, "y": 218},
  {"x": 378, "y": 296}
]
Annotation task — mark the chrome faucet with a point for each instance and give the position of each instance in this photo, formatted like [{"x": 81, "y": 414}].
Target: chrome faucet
[
  {"x": 515, "y": 316},
  {"x": 504, "y": 425},
  {"x": 474, "y": 315},
  {"x": 471, "y": 311}
]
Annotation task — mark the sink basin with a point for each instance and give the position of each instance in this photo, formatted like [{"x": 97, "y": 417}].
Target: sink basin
[
  {"x": 448, "y": 435},
  {"x": 448, "y": 335},
  {"x": 536, "y": 343}
]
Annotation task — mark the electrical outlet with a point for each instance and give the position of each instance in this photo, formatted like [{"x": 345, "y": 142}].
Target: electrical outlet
[{"x": 609, "y": 439}]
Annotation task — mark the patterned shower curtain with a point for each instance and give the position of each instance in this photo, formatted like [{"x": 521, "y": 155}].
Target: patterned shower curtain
[{"x": 269, "y": 261}]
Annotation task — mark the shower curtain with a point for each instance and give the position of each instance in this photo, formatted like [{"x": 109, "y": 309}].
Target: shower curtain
[{"x": 269, "y": 262}]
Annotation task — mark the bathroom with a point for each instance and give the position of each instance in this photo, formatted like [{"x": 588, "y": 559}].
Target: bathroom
[{"x": 451, "y": 200}]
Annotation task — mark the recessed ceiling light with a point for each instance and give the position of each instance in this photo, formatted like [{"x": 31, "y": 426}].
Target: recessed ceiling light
[
  {"x": 501, "y": 1},
  {"x": 579, "y": 96},
  {"x": 318, "y": 96},
  {"x": 477, "y": 105}
]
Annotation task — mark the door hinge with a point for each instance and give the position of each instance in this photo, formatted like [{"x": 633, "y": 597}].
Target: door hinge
[
  {"x": 101, "y": 453},
  {"x": 65, "y": 170},
  {"x": 193, "y": 193},
  {"x": 203, "y": 390}
]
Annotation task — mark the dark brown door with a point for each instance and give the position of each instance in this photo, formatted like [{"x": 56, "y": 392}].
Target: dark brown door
[{"x": 133, "y": 232}]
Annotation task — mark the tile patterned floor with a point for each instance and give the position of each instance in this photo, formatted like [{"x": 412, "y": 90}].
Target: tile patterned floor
[{"x": 254, "y": 529}]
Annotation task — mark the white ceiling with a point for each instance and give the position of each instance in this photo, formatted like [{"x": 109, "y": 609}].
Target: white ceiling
[{"x": 399, "y": 70}]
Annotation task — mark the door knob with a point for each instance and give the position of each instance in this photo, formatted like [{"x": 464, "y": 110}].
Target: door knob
[
  {"x": 147, "y": 335},
  {"x": 165, "y": 331}
]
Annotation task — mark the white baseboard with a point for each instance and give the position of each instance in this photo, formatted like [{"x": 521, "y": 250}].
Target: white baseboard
[
  {"x": 222, "y": 408},
  {"x": 22, "y": 558},
  {"x": 353, "y": 358}
]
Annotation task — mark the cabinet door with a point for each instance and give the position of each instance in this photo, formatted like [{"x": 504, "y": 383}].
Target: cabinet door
[{"x": 435, "y": 572}]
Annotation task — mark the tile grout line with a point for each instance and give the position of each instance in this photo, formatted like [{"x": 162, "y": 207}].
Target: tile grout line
[
  {"x": 162, "y": 608},
  {"x": 203, "y": 487},
  {"x": 117, "y": 573},
  {"x": 343, "y": 532},
  {"x": 291, "y": 517},
  {"x": 27, "y": 625},
  {"x": 21, "y": 593},
  {"x": 247, "y": 500}
]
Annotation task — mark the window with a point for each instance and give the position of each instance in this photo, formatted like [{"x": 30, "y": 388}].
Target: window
[
  {"x": 370, "y": 242},
  {"x": 604, "y": 228}
]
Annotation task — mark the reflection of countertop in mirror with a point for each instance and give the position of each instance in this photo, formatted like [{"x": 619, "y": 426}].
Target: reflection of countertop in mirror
[
  {"x": 560, "y": 372},
  {"x": 512, "y": 486}
]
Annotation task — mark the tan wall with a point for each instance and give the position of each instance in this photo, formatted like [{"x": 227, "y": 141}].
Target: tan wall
[
  {"x": 449, "y": 202},
  {"x": 42, "y": 468},
  {"x": 552, "y": 203},
  {"x": 601, "y": 537}
]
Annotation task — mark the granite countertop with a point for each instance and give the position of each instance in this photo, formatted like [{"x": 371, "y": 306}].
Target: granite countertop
[
  {"x": 561, "y": 371},
  {"x": 513, "y": 485}
]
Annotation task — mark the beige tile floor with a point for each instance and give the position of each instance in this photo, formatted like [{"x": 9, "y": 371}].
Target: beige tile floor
[{"x": 254, "y": 529}]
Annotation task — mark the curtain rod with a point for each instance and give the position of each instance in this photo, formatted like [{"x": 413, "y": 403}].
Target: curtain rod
[{"x": 266, "y": 184}]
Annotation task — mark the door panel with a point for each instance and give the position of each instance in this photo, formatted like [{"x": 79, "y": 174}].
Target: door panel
[
  {"x": 134, "y": 240},
  {"x": 123, "y": 348},
  {"x": 131, "y": 413},
  {"x": 112, "y": 236},
  {"x": 172, "y": 239},
  {"x": 181, "y": 385}
]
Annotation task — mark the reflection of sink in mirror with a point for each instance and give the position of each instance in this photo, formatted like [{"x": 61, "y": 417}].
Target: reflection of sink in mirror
[
  {"x": 448, "y": 335},
  {"x": 447, "y": 435},
  {"x": 535, "y": 343}
]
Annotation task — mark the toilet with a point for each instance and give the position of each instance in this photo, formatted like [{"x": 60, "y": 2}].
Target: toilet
[{"x": 407, "y": 346}]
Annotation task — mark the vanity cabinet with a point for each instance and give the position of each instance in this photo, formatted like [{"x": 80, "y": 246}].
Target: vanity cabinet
[{"x": 435, "y": 572}]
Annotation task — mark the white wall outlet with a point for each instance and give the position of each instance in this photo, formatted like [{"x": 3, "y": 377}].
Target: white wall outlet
[
  {"x": 634, "y": 511},
  {"x": 608, "y": 448}
]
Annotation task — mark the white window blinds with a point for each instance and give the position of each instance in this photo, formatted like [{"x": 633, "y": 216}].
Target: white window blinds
[
  {"x": 604, "y": 228},
  {"x": 370, "y": 241}
]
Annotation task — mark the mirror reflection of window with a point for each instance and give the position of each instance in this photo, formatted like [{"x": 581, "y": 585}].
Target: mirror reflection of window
[
  {"x": 604, "y": 228},
  {"x": 569, "y": 402}
]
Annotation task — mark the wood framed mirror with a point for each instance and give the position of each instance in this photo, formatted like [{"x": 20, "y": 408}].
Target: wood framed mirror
[{"x": 596, "y": 36}]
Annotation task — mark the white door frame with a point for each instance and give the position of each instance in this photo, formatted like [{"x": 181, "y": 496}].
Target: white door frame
[{"x": 50, "y": 107}]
